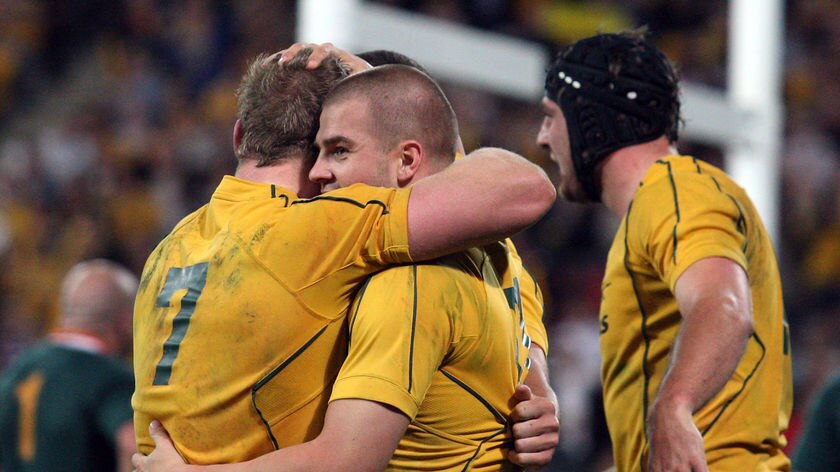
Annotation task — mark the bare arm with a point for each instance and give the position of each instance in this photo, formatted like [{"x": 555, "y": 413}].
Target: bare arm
[
  {"x": 537, "y": 378},
  {"x": 536, "y": 427},
  {"x": 487, "y": 196},
  {"x": 125, "y": 446},
  {"x": 349, "y": 441},
  {"x": 713, "y": 296}
]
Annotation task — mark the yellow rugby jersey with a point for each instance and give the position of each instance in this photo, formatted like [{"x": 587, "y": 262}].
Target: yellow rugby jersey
[
  {"x": 532, "y": 306},
  {"x": 440, "y": 342},
  {"x": 525, "y": 287},
  {"x": 686, "y": 210},
  {"x": 239, "y": 319}
]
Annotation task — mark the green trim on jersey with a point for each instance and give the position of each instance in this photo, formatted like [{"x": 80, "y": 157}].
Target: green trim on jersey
[
  {"x": 344, "y": 200},
  {"x": 413, "y": 330},
  {"x": 645, "y": 337},
  {"x": 499, "y": 417},
  {"x": 478, "y": 449},
  {"x": 360, "y": 296},
  {"x": 271, "y": 375},
  {"x": 676, "y": 209},
  {"x": 743, "y": 385}
]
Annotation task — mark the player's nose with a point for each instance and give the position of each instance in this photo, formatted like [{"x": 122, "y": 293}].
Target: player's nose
[{"x": 320, "y": 172}]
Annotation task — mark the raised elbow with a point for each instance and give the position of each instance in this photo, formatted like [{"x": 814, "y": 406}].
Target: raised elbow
[
  {"x": 739, "y": 315},
  {"x": 540, "y": 196}
]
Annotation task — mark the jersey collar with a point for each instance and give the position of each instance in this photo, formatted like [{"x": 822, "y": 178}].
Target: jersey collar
[
  {"x": 79, "y": 340},
  {"x": 239, "y": 190}
]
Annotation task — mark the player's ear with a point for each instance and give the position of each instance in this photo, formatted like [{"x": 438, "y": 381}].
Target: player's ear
[
  {"x": 459, "y": 147},
  {"x": 412, "y": 155},
  {"x": 237, "y": 135}
]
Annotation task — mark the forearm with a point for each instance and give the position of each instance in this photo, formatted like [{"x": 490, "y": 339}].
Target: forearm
[
  {"x": 715, "y": 302},
  {"x": 521, "y": 194},
  {"x": 536, "y": 426},
  {"x": 706, "y": 353},
  {"x": 519, "y": 199},
  {"x": 347, "y": 442},
  {"x": 537, "y": 378},
  {"x": 307, "y": 457}
]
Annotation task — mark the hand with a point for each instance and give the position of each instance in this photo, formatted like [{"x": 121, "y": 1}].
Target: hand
[
  {"x": 535, "y": 428},
  {"x": 320, "y": 52},
  {"x": 676, "y": 444},
  {"x": 164, "y": 458}
]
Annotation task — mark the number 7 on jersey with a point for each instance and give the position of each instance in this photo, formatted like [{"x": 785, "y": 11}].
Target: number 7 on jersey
[{"x": 192, "y": 278}]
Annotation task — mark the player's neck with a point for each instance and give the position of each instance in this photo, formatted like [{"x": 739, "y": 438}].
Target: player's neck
[
  {"x": 624, "y": 169},
  {"x": 291, "y": 173}
]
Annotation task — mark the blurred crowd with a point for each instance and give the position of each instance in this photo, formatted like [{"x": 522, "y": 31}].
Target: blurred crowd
[{"x": 116, "y": 120}]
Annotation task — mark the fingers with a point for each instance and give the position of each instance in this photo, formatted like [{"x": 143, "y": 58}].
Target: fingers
[
  {"x": 534, "y": 407},
  {"x": 158, "y": 434},
  {"x": 546, "y": 441},
  {"x": 522, "y": 393},
  {"x": 290, "y": 52},
  {"x": 320, "y": 52},
  {"x": 535, "y": 429},
  {"x": 536, "y": 435},
  {"x": 531, "y": 459},
  {"x": 138, "y": 461},
  {"x": 161, "y": 438}
]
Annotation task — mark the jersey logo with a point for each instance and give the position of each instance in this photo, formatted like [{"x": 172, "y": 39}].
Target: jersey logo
[
  {"x": 514, "y": 299},
  {"x": 603, "y": 320}
]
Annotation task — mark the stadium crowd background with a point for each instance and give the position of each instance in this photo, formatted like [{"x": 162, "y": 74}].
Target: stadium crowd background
[{"x": 116, "y": 120}]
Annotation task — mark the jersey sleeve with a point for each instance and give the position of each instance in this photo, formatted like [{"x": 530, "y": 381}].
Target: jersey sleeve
[
  {"x": 362, "y": 224},
  {"x": 532, "y": 300},
  {"x": 684, "y": 219},
  {"x": 324, "y": 247},
  {"x": 399, "y": 336},
  {"x": 389, "y": 230}
]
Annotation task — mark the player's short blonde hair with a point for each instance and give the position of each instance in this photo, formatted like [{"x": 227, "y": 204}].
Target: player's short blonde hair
[
  {"x": 403, "y": 103},
  {"x": 279, "y": 106}
]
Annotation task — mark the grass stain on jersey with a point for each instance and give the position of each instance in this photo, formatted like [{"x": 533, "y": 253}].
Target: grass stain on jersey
[
  {"x": 259, "y": 234},
  {"x": 233, "y": 280}
]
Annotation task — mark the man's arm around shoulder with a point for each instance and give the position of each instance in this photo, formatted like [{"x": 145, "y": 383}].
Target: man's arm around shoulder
[
  {"x": 486, "y": 196},
  {"x": 358, "y": 435}
]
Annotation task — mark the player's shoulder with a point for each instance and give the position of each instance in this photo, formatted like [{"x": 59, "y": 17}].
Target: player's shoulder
[
  {"x": 682, "y": 176},
  {"x": 446, "y": 271},
  {"x": 190, "y": 218}
]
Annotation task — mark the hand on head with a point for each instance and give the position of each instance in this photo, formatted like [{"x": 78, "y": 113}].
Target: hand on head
[{"x": 354, "y": 64}]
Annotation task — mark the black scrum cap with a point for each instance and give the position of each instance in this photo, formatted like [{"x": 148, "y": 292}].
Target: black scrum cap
[{"x": 615, "y": 90}]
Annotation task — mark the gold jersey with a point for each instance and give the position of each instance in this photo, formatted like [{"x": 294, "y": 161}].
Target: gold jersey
[
  {"x": 444, "y": 343},
  {"x": 686, "y": 210},
  {"x": 517, "y": 279},
  {"x": 239, "y": 320}
]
